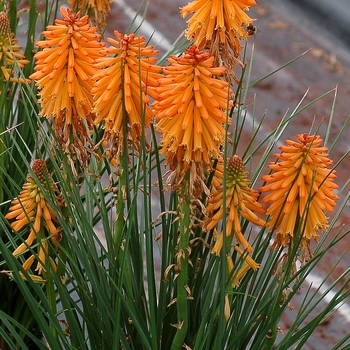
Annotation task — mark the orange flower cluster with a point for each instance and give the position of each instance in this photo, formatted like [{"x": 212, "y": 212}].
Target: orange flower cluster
[
  {"x": 32, "y": 209},
  {"x": 63, "y": 75},
  {"x": 122, "y": 84},
  {"x": 9, "y": 52},
  {"x": 190, "y": 108},
  {"x": 241, "y": 201},
  {"x": 301, "y": 189},
  {"x": 218, "y": 24}
]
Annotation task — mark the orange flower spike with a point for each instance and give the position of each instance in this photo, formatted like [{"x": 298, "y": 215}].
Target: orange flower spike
[
  {"x": 301, "y": 187},
  {"x": 190, "y": 108},
  {"x": 241, "y": 201},
  {"x": 63, "y": 74},
  {"x": 31, "y": 206},
  {"x": 65, "y": 66},
  {"x": 127, "y": 79}
]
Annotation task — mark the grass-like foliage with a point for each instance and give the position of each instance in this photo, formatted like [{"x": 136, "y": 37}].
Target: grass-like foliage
[{"x": 145, "y": 206}]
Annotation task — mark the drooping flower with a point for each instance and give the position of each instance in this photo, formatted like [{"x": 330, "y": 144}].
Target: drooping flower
[
  {"x": 63, "y": 76},
  {"x": 236, "y": 275},
  {"x": 191, "y": 110},
  {"x": 32, "y": 210},
  {"x": 9, "y": 53},
  {"x": 125, "y": 80},
  {"x": 97, "y": 10},
  {"x": 301, "y": 191},
  {"x": 241, "y": 202},
  {"x": 218, "y": 24}
]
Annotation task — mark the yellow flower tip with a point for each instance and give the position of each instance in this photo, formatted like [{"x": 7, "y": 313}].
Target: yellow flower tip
[
  {"x": 248, "y": 264},
  {"x": 240, "y": 275},
  {"x": 249, "y": 260},
  {"x": 229, "y": 263},
  {"x": 301, "y": 189},
  {"x": 43, "y": 253},
  {"x": 28, "y": 263},
  {"x": 34, "y": 278},
  {"x": 53, "y": 266},
  {"x": 218, "y": 245},
  {"x": 28, "y": 242},
  {"x": 227, "y": 309}
]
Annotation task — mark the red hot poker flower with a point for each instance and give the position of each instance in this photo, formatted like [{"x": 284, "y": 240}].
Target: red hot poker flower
[
  {"x": 301, "y": 191},
  {"x": 63, "y": 75},
  {"x": 190, "y": 109},
  {"x": 241, "y": 201},
  {"x": 127, "y": 75},
  {"x": 32, "y": 209}
]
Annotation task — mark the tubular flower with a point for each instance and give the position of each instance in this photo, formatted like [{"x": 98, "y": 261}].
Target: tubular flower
[
  {"x": 121, "y": 88},
  {"x": 301, "y": 190},
  {"x": 190, "y": 109},
  {"x": 241, "y": 201},
  {"x": 63, "y": 75},
  {"x": 95, "y": 9},
  {"x": 32, "y": 209},
  {"x": 9, "y": 55},
  {"x": 218, "y": 24},
  {"x": 237, "y": 275}
]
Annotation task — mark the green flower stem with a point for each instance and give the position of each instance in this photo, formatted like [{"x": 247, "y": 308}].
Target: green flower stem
[
  {"x": 120, "y": 226},
  {"x": 51, "y": 296},
  {"x": 62, "y": 256},
  {"x": 271, "y": 336},
  {"x": 120, "y": 207},
  {"x": 182, "y": 279},
  {"x": 121, "y": 229},
  {"x": 48, "y": 272}
]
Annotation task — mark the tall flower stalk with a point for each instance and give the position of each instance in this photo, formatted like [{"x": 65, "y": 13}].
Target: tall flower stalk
[
  {"x": 241, "y": 202},
  {"x": 125, "y": 79},
  {"x": 191, "y": 107}
]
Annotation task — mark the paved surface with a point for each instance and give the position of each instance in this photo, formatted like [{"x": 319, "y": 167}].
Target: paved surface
[
  {"x": 331, "y": 14},
  {"x": 287, "y": 31}
]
